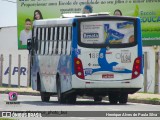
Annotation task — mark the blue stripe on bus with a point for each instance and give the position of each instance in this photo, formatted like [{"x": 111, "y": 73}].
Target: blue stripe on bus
[
  {"x": 139, "y": 40},
  {"x": 75, "y": 43}
]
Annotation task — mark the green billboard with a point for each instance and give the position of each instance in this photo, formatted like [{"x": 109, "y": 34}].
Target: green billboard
[{"x": 147, "y": 10}]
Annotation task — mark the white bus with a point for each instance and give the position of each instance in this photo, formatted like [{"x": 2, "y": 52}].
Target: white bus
[{"x": 95, "y": 56}]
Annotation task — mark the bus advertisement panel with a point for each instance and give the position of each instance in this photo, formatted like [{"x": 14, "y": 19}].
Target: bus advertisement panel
[{"x": 147, "y": 10}]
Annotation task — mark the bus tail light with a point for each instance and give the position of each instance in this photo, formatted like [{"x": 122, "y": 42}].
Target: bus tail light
[
  {"x": 136, "y": 68},
  {"x": 78, "y": 68}
]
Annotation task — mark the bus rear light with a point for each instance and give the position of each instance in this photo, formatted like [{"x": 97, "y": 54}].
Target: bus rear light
[
  {"x": 78, "y": 68},
  {"x": 79, "y": 73},
  {"x": 136, "y": 68},
  {"x": 136, "y": 73},
  {"x": 78, "y": 62}
]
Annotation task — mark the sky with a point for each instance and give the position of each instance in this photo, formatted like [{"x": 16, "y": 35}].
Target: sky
[{"x": 8, "y": 12}]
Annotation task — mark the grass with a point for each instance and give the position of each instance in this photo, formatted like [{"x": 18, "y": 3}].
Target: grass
[
  {"x": 146, "y": 92},
  {"x": 7, "y": 119},
  {"x": 154, "y": 99},
  {"x": 13, "y": 87}
]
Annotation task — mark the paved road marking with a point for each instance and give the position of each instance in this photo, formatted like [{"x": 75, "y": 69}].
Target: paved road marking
[
  {"x": 82, "y": 118},
  {"x": 73, "y": 117},
  {"x": 90, "y": 119},
  {"x": 144, "y": 104},
  {"x": 114, "y": 109}
]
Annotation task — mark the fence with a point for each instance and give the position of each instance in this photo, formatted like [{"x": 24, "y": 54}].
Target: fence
[{"x": 9, "y": 77}]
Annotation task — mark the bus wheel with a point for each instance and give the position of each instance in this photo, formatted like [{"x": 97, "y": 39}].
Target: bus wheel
[
  {"x": 60, "y": 96},
  {"x": 113, "y": 98},
  {"x": 45, "y": 97},
  {"x": 71, "y": 99},
  {"x": 97, "y": 98},
  {"x": 123, "y": 98}
]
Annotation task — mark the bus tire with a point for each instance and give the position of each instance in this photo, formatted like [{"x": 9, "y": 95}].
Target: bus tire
[
  {"x": 45, "y": 97},
  {"x": 60, "y": 96},
  {"x": 113, "y": 98},
  {"x": 123, "y": 98},
  {"x": 71, "y": 99},
  {"x": 97, "y": 98},
  {"x": 38, "y": 82}
]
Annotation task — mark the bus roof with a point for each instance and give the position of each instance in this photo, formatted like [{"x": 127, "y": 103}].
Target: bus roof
[
  {"x": 71, "y": 15},
  {"x": 54, "y": 21},
  {"x": 69, "y": 19}
]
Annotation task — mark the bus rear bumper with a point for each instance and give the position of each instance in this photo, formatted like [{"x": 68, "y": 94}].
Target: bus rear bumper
[
  {"x": 133, "y": 83},
  {"x": 103, "y": 91}
]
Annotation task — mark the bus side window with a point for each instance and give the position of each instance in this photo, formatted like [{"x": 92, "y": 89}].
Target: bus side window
[
  {"x": 54, "y": 39},
  {"x": 34, "y": 38},
  {"x": 60, "y": 41},
  {"x": 64, "y": 41},
  {"x": 39, "y": 40},
  {"x": 62, "y": 34},
  {"x": 46, "y": 41},
  {"x": 45, "y": 36},
  {"x": 49, "y": 38},
  {"x": 43, "y": 41},
  {"x": 55, "y": 48},
  {"x": 50, "y": 42},
  {"x": 69, "y": 37}
]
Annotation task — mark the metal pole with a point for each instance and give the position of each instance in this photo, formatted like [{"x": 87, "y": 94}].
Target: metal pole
[
  {"x": 19, "y": 70},
  {"x": 159, "y": 72},
  {"x": 28, "y": 71},
  {"x": 145, "y": 71},
  {"x": 1, "y": 69},
  {"x": 9, "y": 77},
  {"x": 156, "y": 89}
]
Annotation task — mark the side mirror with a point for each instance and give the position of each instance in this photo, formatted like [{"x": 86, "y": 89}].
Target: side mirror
[{"x": 29, "y": 44}]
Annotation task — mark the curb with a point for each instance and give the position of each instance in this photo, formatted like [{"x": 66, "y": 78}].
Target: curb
[{"x": 22, "y": 93}]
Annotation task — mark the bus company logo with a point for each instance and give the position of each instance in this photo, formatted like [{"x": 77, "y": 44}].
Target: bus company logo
[
  {"x": 78, "y": 51},
  {"x": 120, "y": 68},
  {"x": 95, "y": 64},
  {"x": 13, "y": 96},
  {"x": 88, "y": 71},
  {"x": 90, "y": 35},
  {"x": 104, "y": 76},
  {"x": 126, "y": 56}
]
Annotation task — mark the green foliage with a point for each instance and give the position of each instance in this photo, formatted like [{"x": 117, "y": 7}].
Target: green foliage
[
  {"x": 154, "y": 99},
  {"x": 136, "y": 11},
  {"x": 7, "y": 119}
]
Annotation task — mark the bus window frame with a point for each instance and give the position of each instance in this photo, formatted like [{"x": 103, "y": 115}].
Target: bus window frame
[
  {"x": 123, "y": 45},
  {"x": 51, "y": 40}
]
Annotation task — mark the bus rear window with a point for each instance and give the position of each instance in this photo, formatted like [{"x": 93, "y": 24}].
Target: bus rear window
[{"x": 107, "y": 32}]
